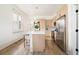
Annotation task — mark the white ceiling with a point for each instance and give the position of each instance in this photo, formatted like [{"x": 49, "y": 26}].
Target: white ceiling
[{"x": 40, "y": 9}]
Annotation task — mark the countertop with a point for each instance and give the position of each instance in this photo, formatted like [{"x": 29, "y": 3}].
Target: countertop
[{"x": 35, "y": 32}]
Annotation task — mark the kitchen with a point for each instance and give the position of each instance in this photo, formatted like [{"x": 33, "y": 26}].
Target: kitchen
[
  {"x": 36, "y": 29},
  {"x": 43, "y": 33}
]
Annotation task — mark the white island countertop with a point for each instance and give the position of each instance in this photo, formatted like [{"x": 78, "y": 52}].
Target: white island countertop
[{"x": 35, "y": 32}]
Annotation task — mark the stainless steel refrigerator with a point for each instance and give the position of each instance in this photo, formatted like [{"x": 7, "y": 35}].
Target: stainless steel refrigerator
[{"x": 61, "y": 33}]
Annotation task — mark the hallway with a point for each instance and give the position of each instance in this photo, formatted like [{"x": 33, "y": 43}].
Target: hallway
[{"x": 18, "y": 49}]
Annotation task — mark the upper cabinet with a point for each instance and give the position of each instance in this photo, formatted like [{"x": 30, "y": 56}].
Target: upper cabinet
[
  {"x": 48, "y": 24},
  {"x": 42, "y": 25},
  {"x": 62, "y": 11}
]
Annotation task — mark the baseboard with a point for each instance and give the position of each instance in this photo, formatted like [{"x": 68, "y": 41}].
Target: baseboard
[{"x": 10, "y": 46}]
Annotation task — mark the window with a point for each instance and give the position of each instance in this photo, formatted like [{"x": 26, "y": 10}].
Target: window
[{"x": 17, "y": 22}]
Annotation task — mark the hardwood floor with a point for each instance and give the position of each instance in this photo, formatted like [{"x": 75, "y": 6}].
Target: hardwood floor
[
  {"x": 18, "y": 49},
  {"x": 53, "y": 49},
  {"x": 15, "y": 49}
]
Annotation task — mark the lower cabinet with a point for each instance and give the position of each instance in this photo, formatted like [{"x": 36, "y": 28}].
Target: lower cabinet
[{"x": 38, "y": 42}]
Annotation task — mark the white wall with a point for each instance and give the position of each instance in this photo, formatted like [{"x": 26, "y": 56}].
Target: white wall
[
  {"x": 7, "y": 36},
  {"x": 27, "y": 23},
  {"x": 71, "y": 29}
]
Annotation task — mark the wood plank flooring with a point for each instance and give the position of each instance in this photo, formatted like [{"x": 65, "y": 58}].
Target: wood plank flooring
[
  {"x": 15, "y": 49},
  {"x": 18, "y": 49},
  {"x": 53, "y": 49}
]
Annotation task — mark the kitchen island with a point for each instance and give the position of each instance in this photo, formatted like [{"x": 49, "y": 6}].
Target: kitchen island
[{"x": 37, "y": 41}]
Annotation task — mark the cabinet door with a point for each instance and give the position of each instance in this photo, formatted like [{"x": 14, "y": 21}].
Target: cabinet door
[
  {"x": 38, "y": 42},
  {"x": 42, "y": 25}
]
